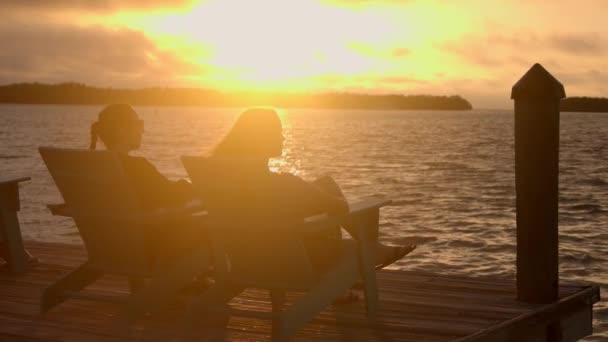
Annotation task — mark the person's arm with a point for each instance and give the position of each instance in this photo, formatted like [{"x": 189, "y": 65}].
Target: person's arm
[
  {"x": 334, "y": 205},
  {"x": 173, "y": 192},
  {"x": 311, "y": 198},
  {"x": 154, "y": 189}
]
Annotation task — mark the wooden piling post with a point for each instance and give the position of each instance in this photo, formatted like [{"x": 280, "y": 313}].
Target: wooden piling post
[{"x": 537, "y": 95}]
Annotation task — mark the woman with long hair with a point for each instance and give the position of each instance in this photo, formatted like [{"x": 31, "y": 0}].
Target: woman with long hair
[{"x": 256, "y": 137}]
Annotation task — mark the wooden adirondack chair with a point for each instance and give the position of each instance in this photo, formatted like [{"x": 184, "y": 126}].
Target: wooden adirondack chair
[
  {"x": 268, "y": 253},
  {"x": 112, "y": 225}
]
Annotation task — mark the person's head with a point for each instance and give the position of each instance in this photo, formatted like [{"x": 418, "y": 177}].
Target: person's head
[
  {"x": 118, "y": 127},
  {"x": 257, "y": 133}
]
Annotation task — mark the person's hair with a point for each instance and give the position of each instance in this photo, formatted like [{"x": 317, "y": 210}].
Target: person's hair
[
  {"x": 251, "y": 135},
  {"x": 110, "y": 121}
]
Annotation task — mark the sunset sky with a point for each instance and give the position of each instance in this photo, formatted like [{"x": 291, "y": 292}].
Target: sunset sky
[{"x": 475, "y": 48}]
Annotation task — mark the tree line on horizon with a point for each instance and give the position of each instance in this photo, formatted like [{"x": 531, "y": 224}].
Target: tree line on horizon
[
  {"x": 76, "y": 93},
  {"x": 584, "y": 104}
]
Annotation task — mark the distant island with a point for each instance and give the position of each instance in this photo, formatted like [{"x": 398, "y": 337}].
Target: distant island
[
  {"x": 584, "y": 104},
  {"x": 76, "y": 93}
]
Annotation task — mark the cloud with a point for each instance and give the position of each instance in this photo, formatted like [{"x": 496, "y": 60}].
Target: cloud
[
  {"x": 579, "y": 43},
  {"x": 516, "y": 48},
  {"x": 583, "y": 78},
  {"x": 400, "y": 80},
  {"x": 491, "y": 51},
  {"x": 576, "y": 59},
  {"x": 90, "y": 5},
  {"x": 590, "y": 82},
  {"x": 94, "y": 55}
]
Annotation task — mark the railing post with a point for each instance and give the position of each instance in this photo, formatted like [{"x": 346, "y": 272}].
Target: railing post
[{"x": 537, "y": 95}]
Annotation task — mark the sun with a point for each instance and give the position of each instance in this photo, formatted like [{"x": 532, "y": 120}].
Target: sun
[
  {"x": 273, "y": 42},
  {"x": 304, "y": 45}
]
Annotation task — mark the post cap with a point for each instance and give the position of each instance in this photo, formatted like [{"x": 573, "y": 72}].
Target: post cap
[{"x": 538, "y": 83}]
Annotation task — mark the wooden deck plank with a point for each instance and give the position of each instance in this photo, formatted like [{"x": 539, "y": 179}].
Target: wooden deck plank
[{"x": 415, "y": 306}]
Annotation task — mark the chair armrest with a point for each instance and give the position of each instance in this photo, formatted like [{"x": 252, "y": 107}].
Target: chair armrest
[
  {"x": 152, "y": 216},
  {"x": 368, "y": 204},
  {"x": 322, "y": 221},
  {"x": 364, "y": 219}
]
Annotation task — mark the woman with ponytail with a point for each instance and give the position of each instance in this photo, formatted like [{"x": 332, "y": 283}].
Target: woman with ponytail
[{"x": 120, "y": 130}]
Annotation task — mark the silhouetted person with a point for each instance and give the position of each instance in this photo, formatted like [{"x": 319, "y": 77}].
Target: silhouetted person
[
  {"x": 255, "y": 138},
  {"x": 120, "y": 129}
]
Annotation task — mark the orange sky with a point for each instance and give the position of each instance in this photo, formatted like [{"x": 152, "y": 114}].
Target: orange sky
[{"x": 474, "y": 48}]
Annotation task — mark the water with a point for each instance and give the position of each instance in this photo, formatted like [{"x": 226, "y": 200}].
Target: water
[{"x": 450, "y": 175}]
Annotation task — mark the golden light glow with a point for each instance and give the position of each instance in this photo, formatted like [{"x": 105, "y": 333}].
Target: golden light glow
[
  {"x": 267, "y": 42},
  {"x": 474, "y": 48},
  {"x": 300, "y": 45}
]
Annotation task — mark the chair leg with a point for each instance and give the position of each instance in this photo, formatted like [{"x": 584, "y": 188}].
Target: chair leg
[
  {"x": 368, "y": 273},
  {"x": 279, "y": 333},
  {"x": 136, "y": 284},
  {"x": 277, "y": 298},
  {"x": 161, "y": 290},
  {"x": 366, "y": 225},
  {"x": 332, "y": 285},
  {"x": 10, "y": 231},
  {"x": 73, "y": 281},
  {"x": 216, "y": 296}
]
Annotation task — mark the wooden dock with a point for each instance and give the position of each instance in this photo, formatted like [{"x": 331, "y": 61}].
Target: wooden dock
[{"x": 415, "y": 306}]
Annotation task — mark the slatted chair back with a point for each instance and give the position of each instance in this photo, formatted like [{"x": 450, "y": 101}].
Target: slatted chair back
[
  {"x": 104, "y": 207},
  {"x": 261, "y": 248}
]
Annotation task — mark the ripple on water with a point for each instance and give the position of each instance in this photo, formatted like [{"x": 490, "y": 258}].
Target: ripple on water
[
  {"x": 499, "y": 248},
  {"x": 418, "y": 240},
  {"x": 469, "y": 243},
  {"x": 446, "y": 165},
  {"x": 595, "y": 182},
  {"x": 590, "y": 208},
  {"x": 578, "y": 257},
  {"x": 406, "y": 202}
]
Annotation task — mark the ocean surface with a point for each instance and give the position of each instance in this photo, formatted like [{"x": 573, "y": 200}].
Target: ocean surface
[{"x": 450, "y": 174}]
